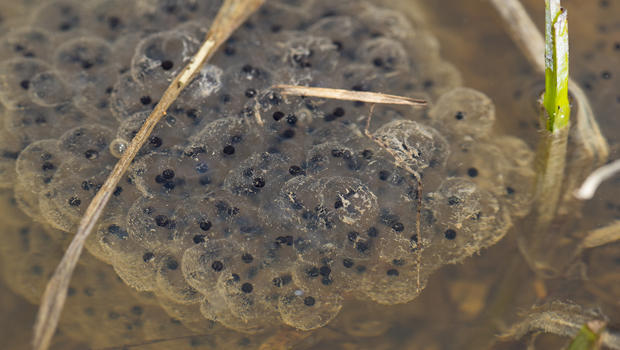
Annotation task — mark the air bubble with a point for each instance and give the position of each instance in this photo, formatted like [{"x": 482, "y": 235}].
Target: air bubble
[{"x": 118, "y": 147}]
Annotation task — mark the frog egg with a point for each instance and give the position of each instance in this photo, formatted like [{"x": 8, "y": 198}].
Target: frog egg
[
  {"x": 394, "y": 282},
  {"x": 112, "y": 19},
  {"x": 170, "y": 13},
  {"x": 207, "y": 82},
  {"x": 92, "y": 94},
  {"x": 483, "y": 164},
  {"x": 204, "y": 264},
  {"x": 135, "y": 264},
  {"x": 385, "y": 54},
  {"x": 306, "y": 54},
  {"x": 467, "y": 220},
  {"x": 214, "y": 308},
  {"x": 258, "y": 176},
  {"x": 48, "y": 89},
  {"x": 153, "y": 223},
  {"x": 321, "y": 208},
  {"x": 26, "y": 42},
  {"x": 416, "y": 145},
  {"x": 245, "y": 296},
  {"x": 221, "y": 145},
  {"x": 37, "y": 122},
  {"x": 27, "y": 201},
  {"x": 63, "y": 16},
  {"x": 362, "y": 77},
  {"x": 519, "y": 175},
  {"x": 172, "y": 132},
  {"x": 70, "y": 191},
  {"x": 15, "y": 77},
  {"x": 333, "y": 157},
  {"x": 343, "y": 30},
  {"x": 159, "y": 57},
  {"x": 129, "y": 97},
  {"x": 464, "y": 113},
  {"x": 36, "y": 166},
  {"x": 88, "y": 144},
  {"x": 503, "y": 167},
  {"x": 241, "y": 84},
  {"x": 171, "y": 283},
  {"x": 307, "y": 312},
  {"x": 83, "y": 56},
  {"x": 389, "y": 22},
  {"x": 172, "y": 174},
  {"x": 328, "y": 270}
]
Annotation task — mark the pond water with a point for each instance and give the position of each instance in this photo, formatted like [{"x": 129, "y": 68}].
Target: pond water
[{"x": 456, "y": 283}]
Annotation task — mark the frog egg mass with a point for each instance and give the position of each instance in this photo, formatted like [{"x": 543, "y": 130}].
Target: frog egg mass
[{"x": 246, "y": 208}]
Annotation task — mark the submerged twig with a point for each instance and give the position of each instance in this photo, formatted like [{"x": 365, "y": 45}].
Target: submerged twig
[
  {"x": 602, "y": 236},
  {"x": 565, "y": 320},
  {"x": 230, "y": 16},
  {"x": 349, "y": 95},
  {"x": 591, "y": 184}
]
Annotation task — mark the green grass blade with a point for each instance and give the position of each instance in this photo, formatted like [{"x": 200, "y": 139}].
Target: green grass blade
[
  {"x": 586, "y": 339},
  {"x": 556, "y": 66}
]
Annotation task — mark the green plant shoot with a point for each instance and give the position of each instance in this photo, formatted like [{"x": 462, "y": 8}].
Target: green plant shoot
[
  {"x": 556, "y": 66},
  {"x": 588, "y": 337}
]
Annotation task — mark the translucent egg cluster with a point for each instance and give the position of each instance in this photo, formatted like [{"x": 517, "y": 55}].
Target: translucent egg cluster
[{"x": 253, "y": 208}]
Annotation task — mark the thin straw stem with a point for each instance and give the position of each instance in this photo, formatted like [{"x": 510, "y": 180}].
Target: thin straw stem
[{"x": 348, "y": 95}]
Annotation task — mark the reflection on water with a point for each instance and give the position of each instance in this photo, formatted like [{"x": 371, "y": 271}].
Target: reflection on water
[{"x": 464, "y": 305}]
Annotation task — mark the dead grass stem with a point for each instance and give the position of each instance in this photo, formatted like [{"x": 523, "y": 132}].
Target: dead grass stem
[{"x": 348, "y": 95}]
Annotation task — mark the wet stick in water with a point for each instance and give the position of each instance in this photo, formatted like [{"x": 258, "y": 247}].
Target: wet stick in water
[{"x": 232, "y": 14}]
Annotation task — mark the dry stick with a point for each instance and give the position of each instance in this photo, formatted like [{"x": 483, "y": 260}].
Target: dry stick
[
  {"x": 374, "y": 98},
  {"x": 348, "y": 95},
  {"x": 230, "y": 16}
]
